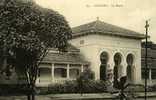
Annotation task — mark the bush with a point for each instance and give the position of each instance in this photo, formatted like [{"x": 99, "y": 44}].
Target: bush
[
  {"x": 85, "y": 83},
  {"x": 152, "y": 88},
  {"x": 90, "y": 86},
  {"x": 71, "y": 87},
  {"x": 135, "y": 88},
  {"x": 42, "y": 90},
  {"x": 14, "y": 89},
  {"x": 67, "y": 87},
  {"x": 93, "y": 86},
  {"x": 87, "y": 74}
]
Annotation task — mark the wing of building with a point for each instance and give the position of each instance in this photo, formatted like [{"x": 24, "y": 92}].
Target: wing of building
[
  {"x": 151, "y": 58},
  {"x": 58, "y": 67}
]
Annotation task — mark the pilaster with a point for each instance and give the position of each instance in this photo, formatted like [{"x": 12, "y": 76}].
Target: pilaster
[
  {"x": 52, "y": 72},
  {"x": 68, "y": 71}
]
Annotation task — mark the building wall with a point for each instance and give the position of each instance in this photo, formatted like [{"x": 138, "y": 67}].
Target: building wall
[
  {"x": 151, "y": 63},
  {"x": 91, "y": 46}
]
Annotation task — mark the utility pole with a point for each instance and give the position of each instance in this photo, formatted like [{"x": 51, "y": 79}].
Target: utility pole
[{"x": 146, "y": 46}]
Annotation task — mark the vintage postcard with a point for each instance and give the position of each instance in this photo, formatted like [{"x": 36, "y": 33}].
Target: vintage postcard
[{"x": 77, "y": 49}]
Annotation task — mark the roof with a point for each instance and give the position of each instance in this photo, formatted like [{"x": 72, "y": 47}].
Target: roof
[
  {"x": 65, "y": 57},
  {"x": 69, "y": 48},
  {"x": 100, "y": 27}
]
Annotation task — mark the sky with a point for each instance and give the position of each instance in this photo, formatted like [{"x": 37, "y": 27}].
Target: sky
[{"x": 129, "y": 14}]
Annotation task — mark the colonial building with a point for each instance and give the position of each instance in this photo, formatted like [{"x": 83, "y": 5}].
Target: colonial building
[
  {"x": 58, "y": 67},
  {"x": 110, "y": 51},
  {"x": 151, "y": 59}
]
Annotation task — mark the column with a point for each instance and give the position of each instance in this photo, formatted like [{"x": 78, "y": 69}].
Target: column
[
  {"x": 68, "y": 71},
  {"x": 124, "y": 67},
  {"x": 111, "y": 62},
  {"x": 37, "y": 80},
  {"x": 82, "y": 68},
  {"x": 110, "y": 67},
  {"x": 52, "y": 72},
  {"x": 150, "y": 76}
]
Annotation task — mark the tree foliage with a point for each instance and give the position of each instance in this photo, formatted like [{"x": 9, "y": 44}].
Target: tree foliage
[{"x": 26, "y": 33}]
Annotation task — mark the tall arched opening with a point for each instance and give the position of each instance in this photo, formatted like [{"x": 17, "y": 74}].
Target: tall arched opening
[
  {"x": 103, "y": 66},
  {"x": 117, "y": 66},
  {"x": 130, "y": 61}
]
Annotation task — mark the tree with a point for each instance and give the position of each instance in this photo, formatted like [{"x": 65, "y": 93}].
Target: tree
[
  {"x": 26, "y": 33},
  {"x": 84, "y": 78}
]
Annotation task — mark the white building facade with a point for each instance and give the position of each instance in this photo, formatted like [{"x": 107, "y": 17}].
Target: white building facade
[{"x": 109, "y": 48}]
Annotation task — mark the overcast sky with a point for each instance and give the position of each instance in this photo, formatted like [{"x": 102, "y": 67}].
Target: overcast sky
[{"x": 130, "y": 14}]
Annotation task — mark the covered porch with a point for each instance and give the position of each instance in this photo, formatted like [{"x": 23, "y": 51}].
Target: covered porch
[
  {"x": 58, "y": 73},
  {"x": 60, "y": 67}
]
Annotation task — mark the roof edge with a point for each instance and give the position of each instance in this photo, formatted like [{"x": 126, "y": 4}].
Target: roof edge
[{"x": 142, "y": 36}]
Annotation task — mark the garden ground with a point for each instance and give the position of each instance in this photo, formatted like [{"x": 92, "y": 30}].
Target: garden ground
[{"x": 97, "y": 96}]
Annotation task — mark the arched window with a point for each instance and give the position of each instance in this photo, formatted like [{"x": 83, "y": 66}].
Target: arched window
[
  {"x": 130, "y": 66},
  {"x": 118, "y": 66},
  {"x": 103, "y": 66}
]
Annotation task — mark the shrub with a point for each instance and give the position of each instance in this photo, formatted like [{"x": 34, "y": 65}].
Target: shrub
[
  {"x": 42, "y": 90},
  {"x": 71, "y": 87},
  {"x": 67, "y": 87},
  {"x": 152, "y": 88},
  {"x": 14, "y": 89},
  {"x": 135, "y": 87},
  {"x": 93, "y": 86},
  {"x": 87, "y": 74},
  {"x": 85, "y": 83},
  {"x": 90, "y": 86}
]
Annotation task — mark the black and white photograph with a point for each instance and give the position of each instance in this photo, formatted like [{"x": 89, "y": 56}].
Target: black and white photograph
[{"x": 77, "y": 50}]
